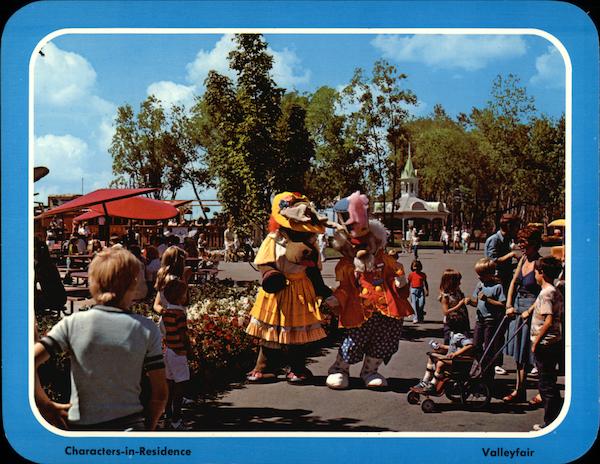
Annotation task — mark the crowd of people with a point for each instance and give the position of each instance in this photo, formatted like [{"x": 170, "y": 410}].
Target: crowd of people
[
  {"x": 523, "y": 305},
  {"x": 519, "y": 313}
]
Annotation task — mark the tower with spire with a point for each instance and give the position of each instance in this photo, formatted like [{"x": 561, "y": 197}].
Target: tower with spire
[
  {"x": 409, "y": 183},
  {"x": 430, "y": 215}
]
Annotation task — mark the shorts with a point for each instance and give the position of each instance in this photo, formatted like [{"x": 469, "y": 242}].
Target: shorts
[{"x": 176, "y": 366}]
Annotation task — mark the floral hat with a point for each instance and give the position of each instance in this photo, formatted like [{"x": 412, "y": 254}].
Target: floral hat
[{"x": 294, "y": 211}]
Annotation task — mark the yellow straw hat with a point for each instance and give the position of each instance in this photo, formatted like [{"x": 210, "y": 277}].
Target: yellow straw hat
[{"x": 294, "y": 211}]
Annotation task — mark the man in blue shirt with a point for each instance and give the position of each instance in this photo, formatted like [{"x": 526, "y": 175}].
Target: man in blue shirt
[{"x": 498, "y": 248}]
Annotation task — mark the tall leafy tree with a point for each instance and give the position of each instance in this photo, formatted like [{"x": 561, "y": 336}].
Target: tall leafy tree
[
  {"x": 187, "y": 163},
  {"x": 296, "y": 149},
  {"x": 259, "y": 101},
  {"x": 157, "y": 148},
  {"x": 338, "y": 167},
  {"x": 139, "y": 148},
  {"x": 545, "y": 176},
  {"x": 382, "y": 110},
  {"x": 241, "y": 121},
  {"x": 504, "y": 123}
]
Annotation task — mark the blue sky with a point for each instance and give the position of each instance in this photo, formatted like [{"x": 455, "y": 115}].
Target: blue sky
[{"x": 82, "y": 79}]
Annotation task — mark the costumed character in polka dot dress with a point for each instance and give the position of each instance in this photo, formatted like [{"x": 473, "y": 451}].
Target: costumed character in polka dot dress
[
  {"x": 286, "y": 315},
  {"x": 372, "y": 297}
]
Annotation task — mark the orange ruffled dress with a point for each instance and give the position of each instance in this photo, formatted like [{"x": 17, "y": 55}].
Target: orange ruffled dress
[
  {"x": 290, "y": 316},
  {"x": 373, "y": 292}
]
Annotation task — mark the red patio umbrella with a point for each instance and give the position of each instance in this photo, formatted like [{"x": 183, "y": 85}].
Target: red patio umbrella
[
  {"x": 97, "y": 197},
  {"x": 87, "y": 216},
  {"x": 132, "y": 208}
]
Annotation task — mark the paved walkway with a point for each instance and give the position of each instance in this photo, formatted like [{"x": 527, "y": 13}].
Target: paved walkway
[{"x": 315, "y": 408}]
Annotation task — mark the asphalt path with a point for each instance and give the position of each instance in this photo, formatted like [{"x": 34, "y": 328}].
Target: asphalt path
[{"x": 281, "y": 407}]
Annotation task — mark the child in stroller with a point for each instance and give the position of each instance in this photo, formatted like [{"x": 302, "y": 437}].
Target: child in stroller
[
  {"x": 441, "y": 360},
  {"x": 449, "y": 370}
]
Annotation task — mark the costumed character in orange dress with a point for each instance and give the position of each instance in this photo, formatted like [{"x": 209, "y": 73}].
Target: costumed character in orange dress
[
  {"x": 286, "y": 315},
  {"x": 372, "y": 297}
]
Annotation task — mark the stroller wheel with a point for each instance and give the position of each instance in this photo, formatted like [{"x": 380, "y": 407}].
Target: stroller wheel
[
  {"x": 428, "y": 406},
  {"x": 478, "y": 395},
  {"x": 412, "y": 397},
  {"x": 453, "y": 391}
]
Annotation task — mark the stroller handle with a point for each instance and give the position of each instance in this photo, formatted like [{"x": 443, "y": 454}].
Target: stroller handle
[{"x": 517, "y": 330}]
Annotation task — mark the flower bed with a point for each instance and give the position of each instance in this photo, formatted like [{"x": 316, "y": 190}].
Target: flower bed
[{"x": 217, "y": 314}]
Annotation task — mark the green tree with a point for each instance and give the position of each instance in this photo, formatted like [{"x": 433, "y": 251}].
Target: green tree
[
  {"x": 296, "y": 149},
  {"x": 238, "y": 125},
  {"x": 545, "y": 176},
  {"x": 337, "y": 169},
  {"x": 382, "y": 111},
  {"x": 156, "y": 148},
  {"x": 504, "y": 123},
  {"x": 139, "y": 148},
  {"x": 187, "y": 164}
]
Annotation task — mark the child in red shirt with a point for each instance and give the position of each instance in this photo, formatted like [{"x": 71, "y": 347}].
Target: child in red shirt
[{"x": 419, "y": 289}]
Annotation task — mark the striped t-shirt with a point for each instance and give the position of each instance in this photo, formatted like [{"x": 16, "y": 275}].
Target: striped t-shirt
[{"x": 175, "y": 323}]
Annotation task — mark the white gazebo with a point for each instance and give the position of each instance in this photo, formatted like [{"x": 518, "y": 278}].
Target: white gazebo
[{"x": 409, "y": 206}]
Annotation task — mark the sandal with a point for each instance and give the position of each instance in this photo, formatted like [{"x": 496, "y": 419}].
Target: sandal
[
  {"x": 536, "y": 400},
  {"x": 260, "y": 377},
  {"x": 514, "y": 397},
  {"x": 299, "y": 378}
]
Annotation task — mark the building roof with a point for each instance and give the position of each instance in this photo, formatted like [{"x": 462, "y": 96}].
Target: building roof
[
  {"x": 412, "y": 206},
  {"x": 409, "y": 171}
]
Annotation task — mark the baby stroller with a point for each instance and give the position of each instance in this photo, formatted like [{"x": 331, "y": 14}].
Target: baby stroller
[
  {"x": 465, "y": 380},
  {"x": 458, "y": 386}
]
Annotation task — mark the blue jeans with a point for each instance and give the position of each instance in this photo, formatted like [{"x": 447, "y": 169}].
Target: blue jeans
[{"x": 417, "y": 298}]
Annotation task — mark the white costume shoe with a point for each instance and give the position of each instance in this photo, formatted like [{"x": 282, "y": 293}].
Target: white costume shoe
[
  {"x": 339, "y": 375},
  {"x": 369, "y": 374},
  {"x": 338, "y": 381}
]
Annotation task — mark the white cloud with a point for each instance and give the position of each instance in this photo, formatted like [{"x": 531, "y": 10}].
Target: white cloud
[
  {"x": 550, "y": 69},
  {"x": 286, "y": 72},
  {"x": 63, "y": 155},
  {"x": 285, "y": 65},
  {"x": 69, "y": 160},
  {"x": 466, "y": 52},
  {"x": 62, "y": 78},
  {"x": 215, "y": 59},
  {"x": 104, "y": 134},
  {"x": 65, "y": 97},
  {"x": 170, "y": 93}
]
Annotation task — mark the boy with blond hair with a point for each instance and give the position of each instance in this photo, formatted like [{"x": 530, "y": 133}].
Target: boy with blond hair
[
  {"x": 490, "y": 301},
  {"x": 110, "y": 348}
]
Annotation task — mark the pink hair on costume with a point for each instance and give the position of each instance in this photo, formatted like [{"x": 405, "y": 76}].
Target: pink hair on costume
[{"x": 357, "y": 209}]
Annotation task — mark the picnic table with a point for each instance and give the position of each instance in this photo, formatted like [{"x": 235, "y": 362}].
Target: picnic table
[
  {"x": 80, "y": 260},
  {"x": 76, "y": 293},
  {"x": 79, "y": 275}
]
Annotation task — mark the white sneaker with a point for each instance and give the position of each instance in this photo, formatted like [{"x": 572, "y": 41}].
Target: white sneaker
[
  {"x": 187, "y": 402},
  {"x": 500, "y": 370},
  {"x": 534, "y": 371}
]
